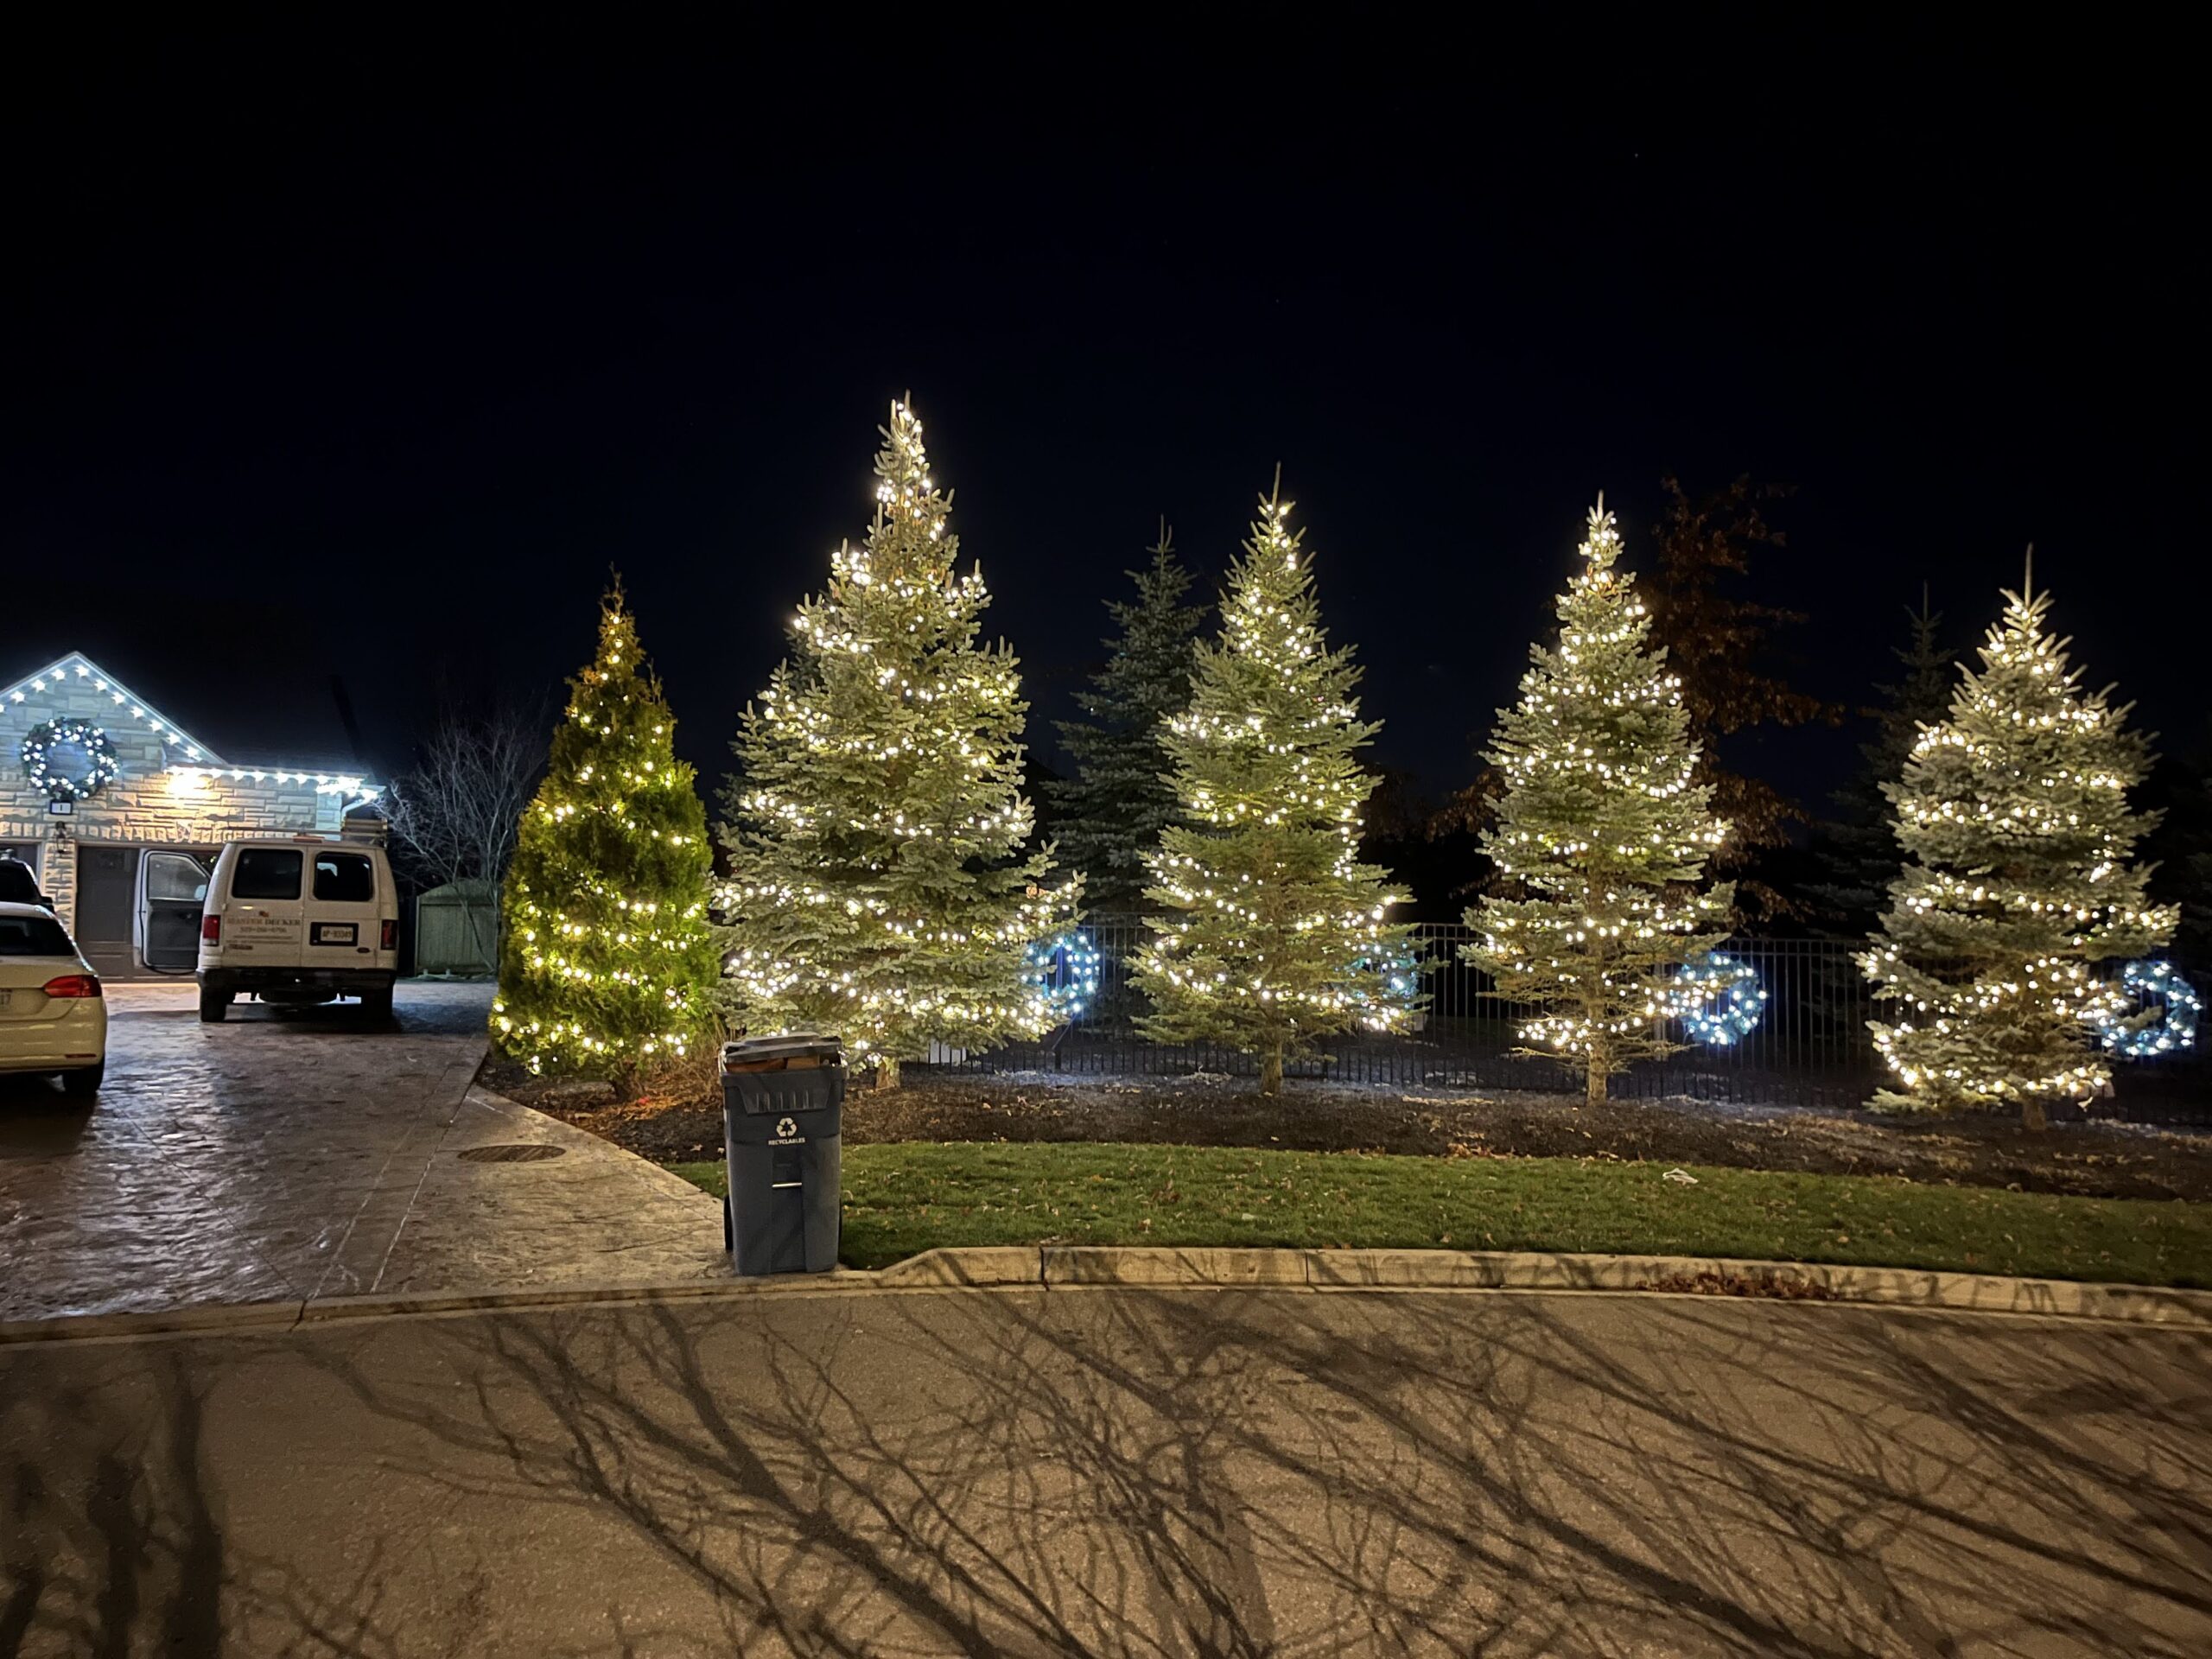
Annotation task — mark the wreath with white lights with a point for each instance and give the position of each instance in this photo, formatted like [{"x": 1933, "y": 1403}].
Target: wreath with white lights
[
  {"x": 1063, "y": 972},
  {"x": 1716, "y": 998},
  {"x": 2165, "y": 1015},
  {"x": 101, "y": 768}
]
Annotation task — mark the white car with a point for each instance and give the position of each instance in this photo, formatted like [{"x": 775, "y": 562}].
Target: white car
[
  {"x": 302, "y": 920},
  {"x": 53, "y": 1017}
]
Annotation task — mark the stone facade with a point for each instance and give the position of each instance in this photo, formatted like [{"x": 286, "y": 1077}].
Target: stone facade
[{"x": 172, "y": 791}]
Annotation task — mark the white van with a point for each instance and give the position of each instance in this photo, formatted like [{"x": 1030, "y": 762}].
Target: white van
[{"x": 305, "y": 918}]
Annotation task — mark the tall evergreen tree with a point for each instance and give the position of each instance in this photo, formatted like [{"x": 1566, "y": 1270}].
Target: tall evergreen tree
[
  {"x": 1271, "y": 933},
  {"x": 1996, "y": 952},
  {"x": 1859, "y": 854},
  {"x": 878, "y": 884},
  {"x": 1722, "y": 647},
  {"x": 1601, "y": 836},
  {"x": 608, "y": 964},
  {"x": 1112, "y": 811}
]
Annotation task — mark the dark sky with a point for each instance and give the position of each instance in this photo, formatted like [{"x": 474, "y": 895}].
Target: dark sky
[{"x": 365, "y": 353}]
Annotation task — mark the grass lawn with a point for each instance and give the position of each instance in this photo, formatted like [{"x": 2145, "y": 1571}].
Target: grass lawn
[{"x": 903, "y": 1198}]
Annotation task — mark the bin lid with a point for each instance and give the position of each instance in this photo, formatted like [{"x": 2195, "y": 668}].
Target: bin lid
[{"x": 783, "y": 1046}]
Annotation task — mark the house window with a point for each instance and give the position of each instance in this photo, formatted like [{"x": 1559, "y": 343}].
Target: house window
[
  {"x": 266, "y": 873},
  {"x": 344, "y": 878}
]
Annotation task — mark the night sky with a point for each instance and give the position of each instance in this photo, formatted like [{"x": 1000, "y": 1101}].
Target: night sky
[{"x": 364, "y": 354}]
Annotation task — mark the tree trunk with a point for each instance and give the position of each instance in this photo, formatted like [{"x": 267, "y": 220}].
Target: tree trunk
[
  {"x": 1594, "y": 1086},
  {"x": 2033, "y": 1118},
  {"x": 887, "y": 1073},
  {"x": 1271, "y": 1070}
]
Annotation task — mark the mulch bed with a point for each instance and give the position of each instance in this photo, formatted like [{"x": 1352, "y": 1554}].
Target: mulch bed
[{"x": 2101, "y": 1159}]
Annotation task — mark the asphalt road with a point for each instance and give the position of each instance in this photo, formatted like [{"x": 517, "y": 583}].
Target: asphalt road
[{"x": 1116, "y": 1471}]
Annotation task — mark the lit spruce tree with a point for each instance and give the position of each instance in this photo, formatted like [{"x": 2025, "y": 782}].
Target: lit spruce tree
[
  {"x": 607, "y": 964},
  {"x": 1121, "y": 799},
  {"x": 1271, "y": 933},
  {"x": 1601, "y": 835},
  {"x": 1997, "y": 954},
  {"x": 879, "y": 888}
]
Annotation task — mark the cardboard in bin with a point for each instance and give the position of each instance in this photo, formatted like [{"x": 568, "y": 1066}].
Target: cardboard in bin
[{"x": 790, "y": 1050}]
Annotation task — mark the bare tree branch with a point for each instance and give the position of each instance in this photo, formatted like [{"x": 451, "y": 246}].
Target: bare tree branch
[{"x": 453, "y": 815}]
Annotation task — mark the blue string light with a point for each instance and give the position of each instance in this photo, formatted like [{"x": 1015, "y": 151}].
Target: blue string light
[
  {"x": 1064, "y": 972},
  {"x": 1716, "y": 998},
  {"x": 2164, "y": 1017}
]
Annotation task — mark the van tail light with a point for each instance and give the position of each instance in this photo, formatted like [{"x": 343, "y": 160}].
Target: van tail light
[
  {"x": 73, "y": 985},
  {"x": 211, "y": 930},
  {"x": 388, "y": 936}
]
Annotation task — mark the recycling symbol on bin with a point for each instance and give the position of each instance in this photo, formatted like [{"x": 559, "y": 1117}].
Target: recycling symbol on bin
[{"x": 785, "y": 1127}]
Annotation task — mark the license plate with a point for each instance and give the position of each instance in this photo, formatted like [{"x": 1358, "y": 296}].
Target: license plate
[{"x": 335, "y": 932}]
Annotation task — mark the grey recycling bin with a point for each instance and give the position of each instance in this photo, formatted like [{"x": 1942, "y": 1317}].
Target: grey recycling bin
[{"x": 783, "y": 1106}]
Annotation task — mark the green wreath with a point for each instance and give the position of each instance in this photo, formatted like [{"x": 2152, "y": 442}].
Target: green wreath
[{"x": 39, "y": 745}]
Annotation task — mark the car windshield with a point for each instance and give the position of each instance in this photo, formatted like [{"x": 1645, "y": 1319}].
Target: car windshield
[
  {"x": 33, "y": 936},
  {"x": 18, "y": 885}
]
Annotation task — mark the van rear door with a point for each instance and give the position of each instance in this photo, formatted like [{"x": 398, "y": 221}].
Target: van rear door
[
  {"x": 171, "y": 886},
  {"x": 343, "y": 909},
  {"x": 263, "y": 908}
]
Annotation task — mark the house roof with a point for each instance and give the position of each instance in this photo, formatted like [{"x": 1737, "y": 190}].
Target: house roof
[{"x": 183, "y": 750}]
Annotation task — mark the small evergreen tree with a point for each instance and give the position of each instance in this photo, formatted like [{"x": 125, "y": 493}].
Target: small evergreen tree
[
  {"x": 1114, "y": 809},
  {"x": 1272, "y": 932},
  {"x": 1859, "y": 854},
  {"x": 607, "y": 964},
  {"x": 878, "y": 884},
  {"x": 1996, "y": 951},
  {"x": 1601, "y": 834}
]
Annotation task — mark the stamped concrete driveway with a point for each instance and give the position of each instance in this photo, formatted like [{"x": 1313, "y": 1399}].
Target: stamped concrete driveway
[{"x": 305, "y": 1156}]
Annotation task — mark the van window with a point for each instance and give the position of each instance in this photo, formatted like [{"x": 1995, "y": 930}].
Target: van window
[
  {"x": 33, "y": 936},
  {"x": 174, "y": 878},
  {"x": 266, "y": 873},
  {"x": 344, "y": 878}
]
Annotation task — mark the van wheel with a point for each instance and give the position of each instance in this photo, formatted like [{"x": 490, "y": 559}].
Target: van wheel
[
  {"x": 377, "y": 1005},
  {"x": 213, "y": 1005},
  {"x": 84, "y": 1084}
]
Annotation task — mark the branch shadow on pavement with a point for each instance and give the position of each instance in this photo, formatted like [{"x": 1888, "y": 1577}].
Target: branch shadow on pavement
[{"x": 1135, "y": 1473}]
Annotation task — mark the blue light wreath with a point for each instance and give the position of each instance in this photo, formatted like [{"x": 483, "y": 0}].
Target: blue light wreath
[
  {"x": 1718, "y": 998},
  {"x": 2164, "y": 1017},
  {"x": 1063, "y": 972},
  {"x": 37, "y": 755}
]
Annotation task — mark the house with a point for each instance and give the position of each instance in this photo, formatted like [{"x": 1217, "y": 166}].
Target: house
[{"x": 119, "y": 811}]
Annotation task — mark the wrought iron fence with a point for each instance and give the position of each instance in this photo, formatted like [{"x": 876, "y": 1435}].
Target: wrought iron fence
[{"x": 1811, "y": 1046}]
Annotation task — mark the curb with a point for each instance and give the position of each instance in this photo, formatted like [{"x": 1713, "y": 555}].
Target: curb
[
  {"x": 1165, "y": 1267},
  {"x": 1530, "y": 1270}
]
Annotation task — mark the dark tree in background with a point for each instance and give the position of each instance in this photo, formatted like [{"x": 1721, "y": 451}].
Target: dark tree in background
[
  {"x": 2183, "y": 846},
  {"x": 1858, "y": 849},
  {"x": 1721, "y": 646},
  {"x": 1110, "y": 813},
  {"x": 455, "y": 814}
]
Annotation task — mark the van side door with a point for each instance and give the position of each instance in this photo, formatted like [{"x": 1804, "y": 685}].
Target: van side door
[{"x": 171, "y": 886}]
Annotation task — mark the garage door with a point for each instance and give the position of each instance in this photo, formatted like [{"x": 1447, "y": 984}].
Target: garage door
[{"x": 107, "y": 900}]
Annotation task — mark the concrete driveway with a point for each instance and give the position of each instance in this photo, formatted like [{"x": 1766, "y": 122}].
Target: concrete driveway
[
  {"x": 292, "y": 1157},
  {"x": 1117, "y": 1472}
]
